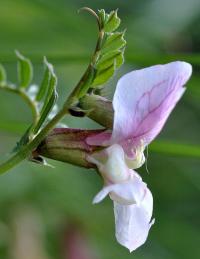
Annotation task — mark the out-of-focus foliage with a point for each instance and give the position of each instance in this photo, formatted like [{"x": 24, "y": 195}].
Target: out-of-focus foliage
[{"x": 158, "y": 31}]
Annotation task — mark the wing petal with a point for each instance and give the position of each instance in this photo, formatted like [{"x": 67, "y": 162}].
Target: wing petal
[{"x": 128, "y": 192}]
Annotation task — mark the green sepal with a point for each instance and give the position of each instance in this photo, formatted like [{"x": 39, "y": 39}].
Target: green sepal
[
  {"x": 108, "y": 59},
  {"x": 2, "y": 74},
  {"x": 25, "y": 70},
  {"x": 112, "y": 22},
  {"x": 68, "y": 145},
  {"x": 104, "y": 75},
  {"x": 113, "y": 41}
]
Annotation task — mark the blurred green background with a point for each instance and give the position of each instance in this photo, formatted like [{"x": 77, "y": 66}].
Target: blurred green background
[{"x": 44, "y": 212}]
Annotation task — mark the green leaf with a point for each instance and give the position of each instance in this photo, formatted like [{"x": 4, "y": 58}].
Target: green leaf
[
  {"x": 114, "y": 41},
  {"x": 108, "y": 59},
  {"x": 46, "y": 110},
  {"x": 2, "y": 74},
  {"x": 51, "y": 87},
  {"x": 112, "y": 22},
  {"x": 50, "y": 98},
  {"x": 45, "y": 81},
  {"x": 25, "y": 70},
  {"x": 104, "y": 75},
  {"x": 49, "y": 84}
]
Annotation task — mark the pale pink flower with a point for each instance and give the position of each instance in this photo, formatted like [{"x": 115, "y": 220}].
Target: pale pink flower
[{"x": 142, "y": 102}]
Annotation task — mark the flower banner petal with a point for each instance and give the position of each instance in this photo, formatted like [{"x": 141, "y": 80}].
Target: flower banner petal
[{"x": 144, "y": 99}]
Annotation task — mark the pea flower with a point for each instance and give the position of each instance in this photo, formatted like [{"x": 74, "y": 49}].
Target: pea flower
[{"x": 142, "y": 102}]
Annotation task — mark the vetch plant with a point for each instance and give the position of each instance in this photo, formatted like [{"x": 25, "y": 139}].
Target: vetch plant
[{"x": 142, "y": 102}]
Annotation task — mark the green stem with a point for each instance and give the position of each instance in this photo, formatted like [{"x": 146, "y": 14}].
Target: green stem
[
  {"x": 25, "y": 97},
  {"x": 25, "y": 151},
  {"x": 88, "y": 73}
]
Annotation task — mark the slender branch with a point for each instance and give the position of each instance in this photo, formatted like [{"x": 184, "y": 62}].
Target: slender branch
[
  {"x": 88, "y": 72},
  {"x": 25, "y": 151},
  {"x": 20, "y": 92},
  {"x": 91, "y": 12}
]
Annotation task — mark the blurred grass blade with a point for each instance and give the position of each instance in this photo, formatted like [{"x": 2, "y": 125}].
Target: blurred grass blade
[
  {"x": 2, "y": 74},
  {"x": 25, "y": 70},
  {"x": 176, "y": 149}
]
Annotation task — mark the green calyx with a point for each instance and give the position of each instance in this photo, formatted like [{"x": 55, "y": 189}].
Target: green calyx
[{"x": 68, "y": 145}]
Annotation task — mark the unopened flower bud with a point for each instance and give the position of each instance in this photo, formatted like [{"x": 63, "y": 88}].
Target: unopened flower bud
[{"x": 99, "y": 109}]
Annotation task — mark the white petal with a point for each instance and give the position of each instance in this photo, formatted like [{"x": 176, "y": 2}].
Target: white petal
[
  {"x": 144, "y": 99},
  {"x": 101, "y": 195},
  {"x": 132, "y": 222},
  {"x": 129, "y": 192},
  {"x": 111, "y": 164}
]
